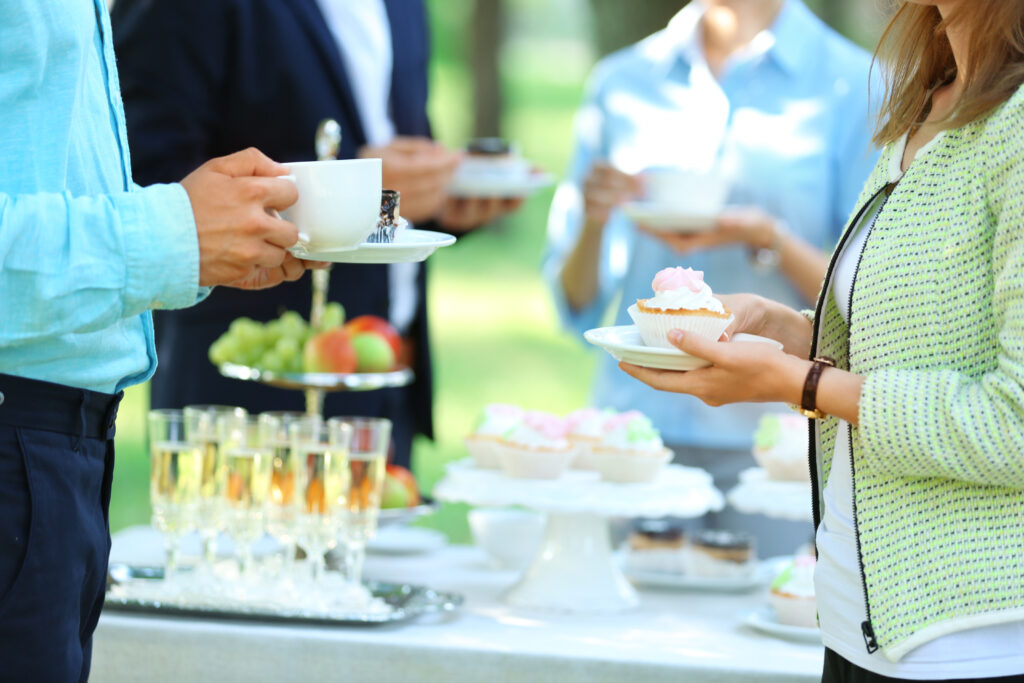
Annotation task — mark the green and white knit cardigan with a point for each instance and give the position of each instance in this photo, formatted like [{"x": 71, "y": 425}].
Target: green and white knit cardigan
[{"x": 937, "y": 331}]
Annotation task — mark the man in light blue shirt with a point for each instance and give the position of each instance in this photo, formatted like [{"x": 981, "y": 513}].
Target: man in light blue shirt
[
  {"x": 84, "y": 255},
  {"x": 782, "y": 110}
]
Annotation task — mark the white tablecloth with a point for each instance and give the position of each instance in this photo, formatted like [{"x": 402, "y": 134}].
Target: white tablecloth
[{"x": 673, "y": 636}]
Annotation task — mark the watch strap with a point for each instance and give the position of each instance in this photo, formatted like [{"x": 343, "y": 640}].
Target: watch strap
[{"x": 809, "y": 399}]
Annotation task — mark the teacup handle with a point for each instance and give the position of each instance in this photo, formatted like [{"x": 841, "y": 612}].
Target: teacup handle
[{"x": 303, "y": 237}]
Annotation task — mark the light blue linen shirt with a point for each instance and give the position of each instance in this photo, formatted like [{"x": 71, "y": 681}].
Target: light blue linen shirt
[
  {"x": 84, "y": 252},
  {"x": 787, "y": 121}
]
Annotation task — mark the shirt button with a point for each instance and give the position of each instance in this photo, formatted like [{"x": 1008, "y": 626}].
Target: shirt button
[{"x": 1, "y": 398}]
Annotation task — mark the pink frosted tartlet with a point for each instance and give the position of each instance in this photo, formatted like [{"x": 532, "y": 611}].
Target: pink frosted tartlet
[
  {"x": 586, "y": 430},
  {"x": 495, "y": 420},
  {"x": 681, "y": 301},
  {"x": 631, "y": 450},
  {"x": 792, "y": 594},
  {"x": 536, "y": 448},
  {"x": 780, "y": 447}
]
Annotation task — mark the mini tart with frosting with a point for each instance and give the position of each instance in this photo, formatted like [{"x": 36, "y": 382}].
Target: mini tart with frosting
[
  {"x": 536, "y": 448},
  {"x": 792, "y": 594},
  {"x": 681, "y": 301},
  {"x": 586, "y": 430},
  {"x": 631, "y": 450},
  {"x": 495, "y": 420},
  {"x": 780, "y": 447}
]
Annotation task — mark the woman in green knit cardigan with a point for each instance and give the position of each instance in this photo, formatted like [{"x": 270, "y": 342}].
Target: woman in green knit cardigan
[{"x": 920, "y": 524}]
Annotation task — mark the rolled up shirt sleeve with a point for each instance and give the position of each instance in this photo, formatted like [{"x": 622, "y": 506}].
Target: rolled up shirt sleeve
[{"x": 80, "y": 264}]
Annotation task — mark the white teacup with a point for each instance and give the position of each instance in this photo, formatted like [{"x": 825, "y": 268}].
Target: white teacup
[
  {"x": 511, "y": 536},
  {"x": 689, "y": 191},
  {"x": 339, "y": 202}
]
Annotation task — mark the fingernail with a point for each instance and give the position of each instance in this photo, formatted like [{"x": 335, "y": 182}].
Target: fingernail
[{"x": 675, "y": 335}]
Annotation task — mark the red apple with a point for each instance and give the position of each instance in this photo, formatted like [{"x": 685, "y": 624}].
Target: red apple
[
  {"x": 372, "y": 323},
  {"x": 329, "y": 351},
  {"x": 400, "y": 489},
  {"x": 373, "y": 352}
]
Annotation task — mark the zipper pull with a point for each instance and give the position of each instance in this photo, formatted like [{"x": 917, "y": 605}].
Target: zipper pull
[{"x": 869, "y": 637}]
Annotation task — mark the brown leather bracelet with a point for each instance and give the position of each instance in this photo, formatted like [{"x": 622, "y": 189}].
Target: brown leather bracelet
[{"x": 809, "y": 401}]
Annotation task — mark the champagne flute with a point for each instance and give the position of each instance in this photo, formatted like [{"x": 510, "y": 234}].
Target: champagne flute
[
  {"x": 367, "y": 457},
  {"x": 201, "y": 429},
  {"x": 276, "y": 430},
  {"x": 175, "y": 475},
  {"x": 247, "y": 472},
  {"x": 320, "y": 482}
]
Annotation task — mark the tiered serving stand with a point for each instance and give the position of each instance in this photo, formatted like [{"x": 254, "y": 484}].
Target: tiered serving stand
[
  {"x": 574, "y": 570},
  {"x": 757, "y": 494}
]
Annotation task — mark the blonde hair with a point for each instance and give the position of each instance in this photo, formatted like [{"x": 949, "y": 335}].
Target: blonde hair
[{"x": 917, "y": 55}]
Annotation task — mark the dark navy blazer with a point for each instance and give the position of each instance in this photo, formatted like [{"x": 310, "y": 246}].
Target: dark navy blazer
[{"x": 205, "y": 78}]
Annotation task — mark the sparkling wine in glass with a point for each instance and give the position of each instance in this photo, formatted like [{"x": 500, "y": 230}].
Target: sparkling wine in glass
[
  {"x": 174, "y": 481},
  {"x": 247, "y": 471},
  {"x": 369, "y": 441}
]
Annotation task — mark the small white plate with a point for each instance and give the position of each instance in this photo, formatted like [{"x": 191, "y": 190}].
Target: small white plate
[
  {"x": 766, "y": 571},
  {"x": 406, "y": 540},
  {"x": 496, "y": 187},
  {"x": 668, "y": 218},
  {"x": 763, "y": 619},
  {"x": 410, "y": 246},
  {"x": 623, "y": 342}
]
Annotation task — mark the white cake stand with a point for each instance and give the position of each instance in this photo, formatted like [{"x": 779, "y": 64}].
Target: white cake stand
[
  {"x": 757, "y": 494},
  {"x": 574, "y": 570}
]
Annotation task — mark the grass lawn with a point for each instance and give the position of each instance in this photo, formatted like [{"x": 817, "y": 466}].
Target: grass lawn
[{"x": 494, "y": 330}]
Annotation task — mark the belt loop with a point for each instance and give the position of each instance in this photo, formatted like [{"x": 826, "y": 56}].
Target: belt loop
[{"x": 81, "y": 422}]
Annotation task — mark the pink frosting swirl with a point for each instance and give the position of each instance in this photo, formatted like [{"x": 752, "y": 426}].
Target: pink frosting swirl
[
  {"x": 621, "y": 420},
  {"x": 670, "y": 279},
  {"x": 546, "y": 424}
]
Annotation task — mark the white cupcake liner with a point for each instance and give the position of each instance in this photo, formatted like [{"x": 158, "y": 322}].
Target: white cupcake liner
[
  {"x": 783, "y": 468},
  {"x": 629, "y": 467},
  {"x": 794, "y": 610},
  {"x": 654, "y": 327},
  {"x": 483, "y": 449},
  {"x": 522, "y": 462},
  {"x": 584, "y": 448}
]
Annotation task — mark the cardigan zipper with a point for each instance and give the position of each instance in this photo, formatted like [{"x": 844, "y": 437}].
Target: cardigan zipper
[{"x": 867, "y": 630}]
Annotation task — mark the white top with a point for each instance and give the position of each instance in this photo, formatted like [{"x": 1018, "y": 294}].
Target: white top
[
  {"x": 363, "y": 34},
  {"x": 981, "y": 652}
]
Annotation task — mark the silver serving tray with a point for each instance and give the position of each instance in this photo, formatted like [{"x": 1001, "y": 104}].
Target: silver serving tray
[
  {"x": 325, "y": 381},
  {"x": 407, "y": 602}
]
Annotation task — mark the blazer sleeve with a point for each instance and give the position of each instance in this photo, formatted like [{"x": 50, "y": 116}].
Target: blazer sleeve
[
  {"x": 172, "y": 62},
  {"x": 943, "y": 423}
]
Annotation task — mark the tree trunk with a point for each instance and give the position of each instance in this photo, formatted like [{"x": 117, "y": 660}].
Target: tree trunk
[
  {"x": 618, "y": 23},
  {"x": 488, "y": 29}
]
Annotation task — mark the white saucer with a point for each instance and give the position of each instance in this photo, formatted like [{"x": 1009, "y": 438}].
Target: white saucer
[
  {"x": 481, "y": 186},
  {"x": 406, "y": 540},
  {"x": 763, "y": 619},
  {"x": 668, "y": 218},
  {"x": 765, "y": 572},
  {"x": 410, "y": 246},
  {"x": 624, "y": 344}
]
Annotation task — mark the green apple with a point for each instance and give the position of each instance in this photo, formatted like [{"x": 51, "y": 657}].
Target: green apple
[{"x": 373, "y": 352}]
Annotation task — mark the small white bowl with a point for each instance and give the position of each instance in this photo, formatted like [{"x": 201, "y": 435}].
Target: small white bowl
[{"x": 510, "y": 536}]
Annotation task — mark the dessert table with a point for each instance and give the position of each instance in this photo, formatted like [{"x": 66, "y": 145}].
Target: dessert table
[{"x": 672, "y": 636}]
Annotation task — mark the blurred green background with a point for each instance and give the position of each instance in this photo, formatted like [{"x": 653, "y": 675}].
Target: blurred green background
[{"x": 514, "y": 68}]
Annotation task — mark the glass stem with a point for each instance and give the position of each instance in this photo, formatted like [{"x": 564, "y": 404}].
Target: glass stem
[
  {"x": 209, "y": 548},
  {"x": 355, "y": 554},
  {"x": 244, "y": 558},
  {"x": 171, "y": 569},
  {"x": 316, "y": 560}
]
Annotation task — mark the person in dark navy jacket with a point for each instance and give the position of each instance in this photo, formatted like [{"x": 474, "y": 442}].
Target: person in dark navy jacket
[{"x": 202, "y": 77}]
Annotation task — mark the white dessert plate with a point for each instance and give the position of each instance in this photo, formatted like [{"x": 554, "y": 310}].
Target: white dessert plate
[
  {"x": 410, "y": 246},
  {"x": 482, "y": 186},
  {"x": 763, "y": 619},
  {"x": 623, "y": 342},
  {"x": 406, "y": 540},
  {"x": 762, "y": 576},
  {"x": 668, "y": 218}
]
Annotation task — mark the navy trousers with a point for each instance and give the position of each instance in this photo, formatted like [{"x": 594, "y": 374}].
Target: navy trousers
[{"x": 56, "y": 466}]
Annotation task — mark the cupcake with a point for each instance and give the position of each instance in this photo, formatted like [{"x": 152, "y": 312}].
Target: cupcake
[
  {"x": 657, "y": 545},
  {"x": 495, "y": 420},
  {"x": 586, "y": 429},
  {"x": 536, "y": 448},
  {"x": 792, "y": 594},
  {"x": 681, "y": 301},
  {"x": 631, "y": 449},
  {"x": 717, "y": 553},
  {"x": 493, "y": 159},
  {"x": 780, "y": 447}
]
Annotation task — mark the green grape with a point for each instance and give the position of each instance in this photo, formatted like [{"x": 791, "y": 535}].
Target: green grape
[
  {"x": 271, "y": 361},
  {"x": 334, "y": 316},
  {"x": 288, "y": 348},
  {"x": 219, "y": 352},
  {"x": 272, "y": 332},
  {"x": 295, "y": 364},
  {"x": 230, "y": 348}
]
